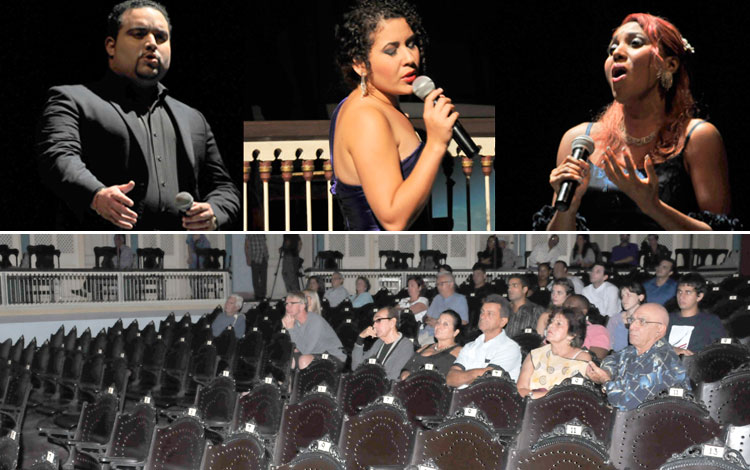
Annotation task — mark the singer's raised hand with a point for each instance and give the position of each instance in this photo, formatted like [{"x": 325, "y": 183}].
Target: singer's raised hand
[
  {"x": 644, "y": 192},
  {"x": 200, "y": 216},
  {"x": 439, "y": 117},
  {"x": 112, "y": 204}
]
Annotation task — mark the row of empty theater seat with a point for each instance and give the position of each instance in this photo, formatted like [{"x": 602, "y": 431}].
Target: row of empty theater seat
[{"x": 571, "y": 427}]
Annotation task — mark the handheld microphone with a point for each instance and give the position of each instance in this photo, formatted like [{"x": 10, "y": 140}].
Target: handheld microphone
[
  {"x": 184, "y": 201},
  {"x": 581, "y": 148},
  {"x": 422, "y": 87}
]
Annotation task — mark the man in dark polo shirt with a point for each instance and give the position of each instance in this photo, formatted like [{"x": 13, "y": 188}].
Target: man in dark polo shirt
[{"x": 118, "y": 151}]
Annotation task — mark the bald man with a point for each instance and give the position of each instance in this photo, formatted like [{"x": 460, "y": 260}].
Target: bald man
[{"x": 645, "y": 368}]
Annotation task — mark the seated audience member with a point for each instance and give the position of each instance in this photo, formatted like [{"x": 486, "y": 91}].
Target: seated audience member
[
  {"x": 624, "y": 254},
  {"x": 561, "y": 289},
  {"x": 445, "y": 268},
  {"x": 362, "y": 297},
  {"x": 544, "y": 270},
  {"x": 314, "y": 283},
  {"x": 597, "y": 337},
  {"x": 645, "y": 368},
  {"x": 231, "y": 317},
  {"x": 510, "y": 260},
  {"x": 545, "y": 252},
  {"x": 560, "y": 358},
  {"x": 491, "y": 350},
  {"x": 492, "y": 256},
  {"x": 337, "y": 293},
  {"x": 479, "y": 276},
  {"x": 662, "y": 288},
  {"x": 632, "y": 296},
  {"x": 583, "y": 254},
  {"x": 539, "y": 285},
  {"x": 311, "y": 334},
  {"x": 446, "y": 299},
  {"x": 523, "y": 312},
  {"x": 313, "y": 301},
  {"x": 415, "y": 302},
  {"x": 601, "y": 292},
  {"x": 560, "y": 271},
  {"x": 392, "y": 350},
  {"x": 653, "y": 252},
  {"x": 443, "y": 352},
  {"x": 690, "y": 329}
]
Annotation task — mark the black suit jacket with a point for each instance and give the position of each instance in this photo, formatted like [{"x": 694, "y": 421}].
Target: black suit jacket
[{"x": 88, "y": 139}]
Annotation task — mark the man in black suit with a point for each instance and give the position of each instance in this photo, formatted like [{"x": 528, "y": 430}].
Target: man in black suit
[{"x": 118, "y": 151}]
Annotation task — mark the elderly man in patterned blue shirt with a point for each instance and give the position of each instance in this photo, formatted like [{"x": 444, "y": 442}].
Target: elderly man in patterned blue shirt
[{"x": 645, "y": 368}]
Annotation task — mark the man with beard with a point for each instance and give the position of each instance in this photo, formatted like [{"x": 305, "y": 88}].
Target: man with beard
[{"x": 118, "y": 151}]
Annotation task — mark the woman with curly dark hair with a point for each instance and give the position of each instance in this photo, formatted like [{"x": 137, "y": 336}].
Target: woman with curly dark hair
[{"x": 382, "y": 173}]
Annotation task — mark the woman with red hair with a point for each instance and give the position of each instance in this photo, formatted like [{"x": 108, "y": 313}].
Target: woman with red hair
[{"x": 654, "y": 166}]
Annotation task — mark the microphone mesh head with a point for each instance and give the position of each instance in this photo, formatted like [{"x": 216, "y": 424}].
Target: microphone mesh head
[
  {"x": 183, "y": 200},
  {"x": 422, "y": 86},
  {"x": 583, "y": 141}
]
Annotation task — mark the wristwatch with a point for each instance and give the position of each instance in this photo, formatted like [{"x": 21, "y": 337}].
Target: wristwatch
[{"x": 214, "y": 223}]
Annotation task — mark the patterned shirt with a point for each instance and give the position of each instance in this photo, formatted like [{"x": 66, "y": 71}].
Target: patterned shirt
[
  {"x": 255, "y": 248},
  {"x": 637, "y": 378},
  {"x": 526, "y": 317}
]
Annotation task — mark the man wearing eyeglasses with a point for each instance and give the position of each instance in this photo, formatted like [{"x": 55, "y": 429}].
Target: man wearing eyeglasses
[
  {"x": 391, "y": 349},
  {"x": 645, "y": 368},
  {"x": 311, "y": 334},
  {"x": 447, "y": 299}
]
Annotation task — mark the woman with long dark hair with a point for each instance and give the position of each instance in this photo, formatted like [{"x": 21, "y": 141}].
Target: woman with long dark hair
[
  {"x": 654, "y": 165},
  {"x": 382, "y": 173},
  {"x": 583, "y": 255}
]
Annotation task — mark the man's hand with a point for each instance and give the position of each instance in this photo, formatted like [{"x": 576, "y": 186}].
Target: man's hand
[
  {"x": 683, "y": 352},
  {"x": 287, "y": 321},
  {"x": 113, "y": 205},
  {"x": 200, "y": 216},
  {"x": 596, "y": 374},
  {"x": 368, "y": 332},
  {"x": 429, "y": 321}
]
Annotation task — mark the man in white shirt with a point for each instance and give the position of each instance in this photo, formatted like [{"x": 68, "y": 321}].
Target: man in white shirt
[
  {"x": 491, "y": 350},
  {"x": 545, "y": 253},
  {"x": 603, "y": 294}
]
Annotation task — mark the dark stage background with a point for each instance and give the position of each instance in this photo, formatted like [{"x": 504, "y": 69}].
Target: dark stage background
[
  {"x": 295, "y": 75},
  {"x": 54, "y": 43},
  {"x": 552, "y": 78}
]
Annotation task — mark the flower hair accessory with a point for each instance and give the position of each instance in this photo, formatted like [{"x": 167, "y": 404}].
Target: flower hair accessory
[{"x": 686, "y": 45}]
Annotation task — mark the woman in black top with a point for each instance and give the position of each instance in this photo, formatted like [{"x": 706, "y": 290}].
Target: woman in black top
[{"x": 443, "y": 352}]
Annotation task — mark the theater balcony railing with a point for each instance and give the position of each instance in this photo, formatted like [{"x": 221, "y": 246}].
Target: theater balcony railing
[
  {"x": 283, "y": 153},
  {"x": 21, "y": 289}
]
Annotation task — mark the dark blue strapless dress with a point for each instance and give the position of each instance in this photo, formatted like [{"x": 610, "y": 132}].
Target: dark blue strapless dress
[{"x": 355, "y": 209}]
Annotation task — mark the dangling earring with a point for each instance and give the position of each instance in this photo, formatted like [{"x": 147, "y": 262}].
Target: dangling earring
[
  {"x": 665, "y": 79},
  {"x": 363, "y": 84}
]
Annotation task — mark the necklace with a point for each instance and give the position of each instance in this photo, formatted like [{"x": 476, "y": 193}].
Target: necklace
[
  {"x": 637, "y": 141},
  {"x": 436, "y": 349}
]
